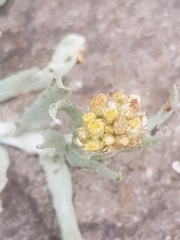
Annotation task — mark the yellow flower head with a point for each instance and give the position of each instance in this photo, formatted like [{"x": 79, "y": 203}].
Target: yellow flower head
[{"x": 112, "y": 124}]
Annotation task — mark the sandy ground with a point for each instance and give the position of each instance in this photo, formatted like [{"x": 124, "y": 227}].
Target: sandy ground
[{"x": 132, "y": 46}]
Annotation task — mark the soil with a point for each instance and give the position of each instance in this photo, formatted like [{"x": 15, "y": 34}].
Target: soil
[{"x": 131, "y": 46}]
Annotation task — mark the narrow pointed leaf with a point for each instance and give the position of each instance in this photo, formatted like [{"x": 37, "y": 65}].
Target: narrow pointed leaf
[
  {"x": 18, "y": 83},
  {"x": 26, "y": 142},
  {"x": 65, "y": 56},
  {"x": 157, "y": 139},
  {"x": 59, "y": 184},
  {"x": 166, "y": 110},
  {"x": 36, "y": 117},
  {"x": 76, "y": 160},
  {"x": 4, "y": 164}
]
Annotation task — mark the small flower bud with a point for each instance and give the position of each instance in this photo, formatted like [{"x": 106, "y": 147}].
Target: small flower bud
[
  {"x": 81, "y": 134},
  {"x": 109, "y": 129},
  {"x": 78, "y": 143},
  {"x": 134, "y": 122},
  {"x": 108, "y": 139},
  {"x": 144, "y": 121},
  {"x": 121, "y": 141},
  {"x": 110, "y": 116},
  {"x": 112, "y": 104},
  {"x": 98, "y": 104},
  {"x": 118, "y": 97},
  {"x": 95, "y": 128},
  {"x": 134, "y": 102},
  {"x": 134, "y": 134},
  {"x": 87, "y": 117},
  {"x": 93, "y": 146},
  {"x": 111, "y": 149},
  {"x": 120, "y": 126}
]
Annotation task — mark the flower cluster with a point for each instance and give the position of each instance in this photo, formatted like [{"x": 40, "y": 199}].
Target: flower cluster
[{"x": 112, "y": 124}]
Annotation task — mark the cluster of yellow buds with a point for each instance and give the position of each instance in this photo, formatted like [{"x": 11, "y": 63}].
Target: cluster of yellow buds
[{"x": 112, "y": 124}]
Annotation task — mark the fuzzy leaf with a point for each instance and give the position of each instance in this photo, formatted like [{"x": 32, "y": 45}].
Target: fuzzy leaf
[
  {"x": 4, "y": 164},
  {"x": 36, "y": 117},
  {"x": 43, "y": 79},
  {"x": 70, "y": 109},
  {"x": 7, "y": 128},
  {"x": 59, "y": 183},
  {"x": 166, "y": 110},
  {"x": 26, "y": 142},
  {"x": 18, "y": 83},
  {"x": 76, "y": 159},
  {"x": 65, "y": 56},
  {"x": 2, "y": 2},
  {"x": 53, "y": 139}
]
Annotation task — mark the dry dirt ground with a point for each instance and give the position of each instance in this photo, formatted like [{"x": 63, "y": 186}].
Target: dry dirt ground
[{"x": 132, "y": 46}]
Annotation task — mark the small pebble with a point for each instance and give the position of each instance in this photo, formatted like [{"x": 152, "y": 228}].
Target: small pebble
[{"x": 176, "y": 166}]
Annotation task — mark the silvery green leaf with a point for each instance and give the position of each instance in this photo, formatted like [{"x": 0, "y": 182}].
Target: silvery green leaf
[
  {"x": 160, "y": 137},
  {"x": 55, "y": 140},
  {"x": 7, "y": 128},
  {"x": 42, "y": 79},
  {"x": 18, "y": 83},
  {"x": 65, "y": 56},
  {"x": 4, "y": 164},
  {"x": 166, "y": 110},
  {"x": 39, "y": 109},
  {"x": 59, "y": 183},
  {"x": 68, "y": 137},
  {"x": 2, "y": 2},
  {"x": 70, "y": 109},
  {"x": 26, "y": 142},
  {"x": 77, "y": 160},
  {"x": 36, "y": 117}
]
